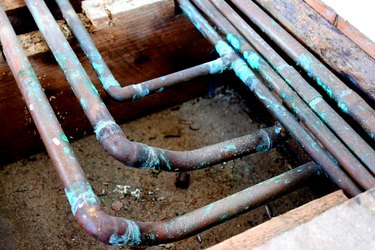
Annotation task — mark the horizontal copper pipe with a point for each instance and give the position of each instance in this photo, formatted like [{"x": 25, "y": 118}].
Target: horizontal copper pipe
[
  {"x": 84, "y": 203},
  {"x": 347, "y": 100},
  {"x": 110, "y": 135},
  {"x": 352, "y": 166},
  {"x": 134, "y": 91},
  {"x": 291, "y": 76},
  {"x": 247, "y": 76}
]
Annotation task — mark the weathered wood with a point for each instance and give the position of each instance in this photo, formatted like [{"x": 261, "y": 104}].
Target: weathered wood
[
  {"x": 344, "y": 26},
  {"x": 260, "y": 234},
  {"x": 333, "y": 47},
  {"x": 12, "y": 4},
  {"x": 347, "y": 226},
  {"x": 150, "y": 44}
]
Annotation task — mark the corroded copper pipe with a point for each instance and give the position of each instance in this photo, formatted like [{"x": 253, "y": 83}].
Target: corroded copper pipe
[
  {"x": 347, "y": 100},
  {"x": 134, "y": 91},
  {"x": 241, "y": 69},
  {"x": 315, "y": 101},
  {"x": 110, "y": 135},
  {"x": 84, "y": 203},
  {"x": 352, "y": 166}
]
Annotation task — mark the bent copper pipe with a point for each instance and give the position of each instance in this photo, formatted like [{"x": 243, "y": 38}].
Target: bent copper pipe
[
  {"x": 247, "y": 76},
  {"x": 315, "y": 101},
  {"x": 134, "y": 91},
  {"x": 84, "y": 203},
  {"x": 351, "y": 165},
  {"x": 110, "y": 135},
  {"x": 347, "y": 100}
]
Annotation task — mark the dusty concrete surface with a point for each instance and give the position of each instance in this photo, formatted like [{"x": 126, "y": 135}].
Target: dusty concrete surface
[{"x": 35, "y": 213}]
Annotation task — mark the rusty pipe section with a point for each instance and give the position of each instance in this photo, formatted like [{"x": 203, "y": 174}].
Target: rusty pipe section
[
  {"x": 84, "y": 203},
  {"x": 351, "y": 165},
  {"x": 247, "y": 76},
  {"x": 110, "y": 135},
  {"x": 291, "y": 76},
  {"x": 347, "y": 100},
  {"x": 134, "y": 91}
]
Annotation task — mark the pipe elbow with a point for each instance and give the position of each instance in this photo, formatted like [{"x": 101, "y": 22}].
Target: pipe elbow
[{"x": 110, "y": 230}]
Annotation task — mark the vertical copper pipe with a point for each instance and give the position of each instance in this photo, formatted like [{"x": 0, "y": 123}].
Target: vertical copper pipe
[
  {"x": 315, "y": 101},
  {"x": 352, "y": 166},
  {"x": 110, "y": 135},
  {"x": 134, "y": 91},
  {"x": 265, "y": 96},
  {"x": 347, "y": 100},
  {"x": 86, "y": 206}
]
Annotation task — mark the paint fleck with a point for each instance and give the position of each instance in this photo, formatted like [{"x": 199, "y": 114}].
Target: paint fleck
[
  {"x": 83, "y": 103},
  {"x": 64, "y": 138},
  {"x": 230, "y": 147},
  {"x": 56, "y": 141}
]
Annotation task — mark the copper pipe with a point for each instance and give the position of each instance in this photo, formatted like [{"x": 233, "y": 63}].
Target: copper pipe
[
  {"x": 347, "y": 100},
  {"x": 352, "y": 166},
  {"x": 315, "y": 101},
  {"x": 247, "y": 76},
  {"x": 110, "y": 135},
  {"x": 134, "y": 91},
  {"x": 85, "y": 205}
]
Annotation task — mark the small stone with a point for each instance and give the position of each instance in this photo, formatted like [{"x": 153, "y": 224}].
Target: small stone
[
  {"x": 103, "y": 192},
  {"x": 117, "y": 205},
  {"x": 194, "y": 127},
  {"x": 183, "y": 180}
]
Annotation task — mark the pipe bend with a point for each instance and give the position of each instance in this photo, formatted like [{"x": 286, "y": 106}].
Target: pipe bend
[{"x": 139, "y": 155}]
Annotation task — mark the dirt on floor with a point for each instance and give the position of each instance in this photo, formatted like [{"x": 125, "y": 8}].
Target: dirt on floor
[{"x": 35, "y": 214}]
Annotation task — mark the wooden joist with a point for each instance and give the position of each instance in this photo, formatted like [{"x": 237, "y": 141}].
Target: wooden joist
[
  {"x": 264, "y": 232},
  {"x": 344, "y": 26},
  {"x": 148, "y": 45},
  {"x": 326, "y": 41}
]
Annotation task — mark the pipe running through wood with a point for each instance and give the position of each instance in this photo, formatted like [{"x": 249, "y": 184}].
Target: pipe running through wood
[
  {"x": 247, "y": 76},
  {"x": 110, "y": 135},
  {"x": 84, "y": 203},
  {"x": 351, "y": 165},
  {"x": 134, "y": 91},
  {"x": 291, "y": 76},
  {"x": 347, "y": 100}
]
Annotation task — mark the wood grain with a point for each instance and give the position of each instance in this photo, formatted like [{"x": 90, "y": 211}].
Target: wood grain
[
  {"x": 260, "y": 234},
  {"x": 149, "y": 45}
]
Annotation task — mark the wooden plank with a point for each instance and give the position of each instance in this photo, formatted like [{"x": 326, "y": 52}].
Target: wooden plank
[
  {"x": 347, "y": 226},
  {"x": 344, "y": 26},
  {"x": 328, "y": 42},
  {"x": 12, "y": 4},
  {"x": 260, "y": 234},
  {"x": 147, "y": 46}
]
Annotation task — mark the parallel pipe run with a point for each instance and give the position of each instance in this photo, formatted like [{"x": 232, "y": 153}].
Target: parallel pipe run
[
  {"x": 241, "y": 69},
  {"x": 355, "y": 169},
  {"x": 347, "y": 100},
  {"x": 315, "y": 101},
  {"x": 110, "y": 135},
  {"x": 134, "y": 91},
  {"x": 86, "y": 206}
]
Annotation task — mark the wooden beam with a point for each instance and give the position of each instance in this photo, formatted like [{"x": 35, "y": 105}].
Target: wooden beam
[
  {"x": 344, "y": 26},
  {"x": 148, "y": 45},
  {"x": 12, "y": 4},
  {"x": 326, "y": 41},
  {"x": 260, "y": 234}
]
